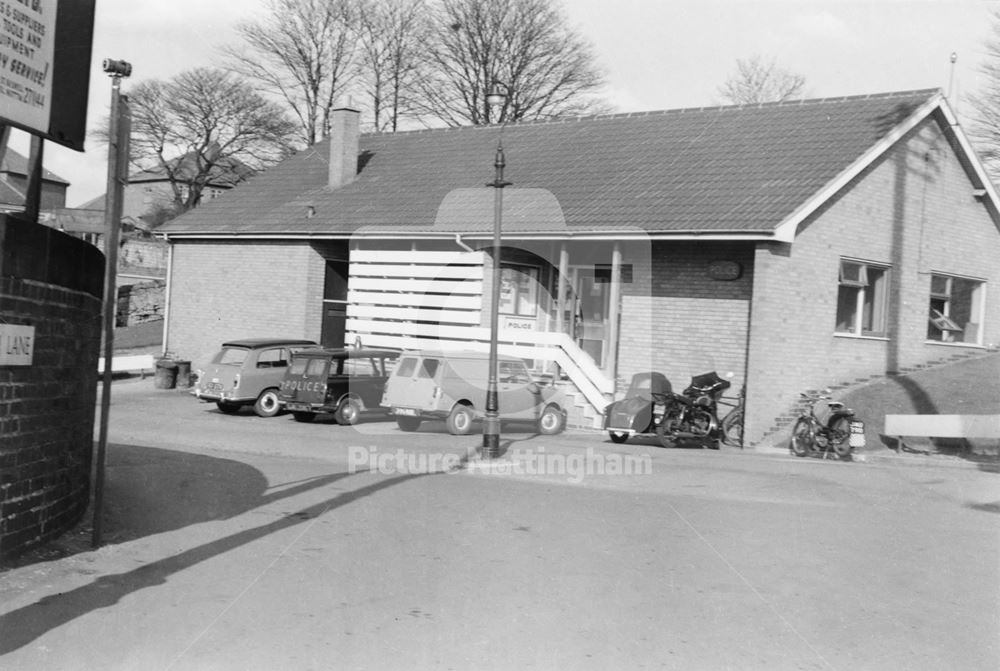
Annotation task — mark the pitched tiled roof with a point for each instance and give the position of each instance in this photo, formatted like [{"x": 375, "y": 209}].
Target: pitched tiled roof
[
  {"x": 226, "y": 172},
  {"x": 738, "y": 170},
  {"x": 10, "y": 195},
  {"x": 17, "y": 164}
]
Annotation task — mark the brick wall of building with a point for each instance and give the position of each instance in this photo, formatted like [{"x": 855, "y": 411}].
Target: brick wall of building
[
  {"x": 47, "y": 408},
  {"x": 223, "y": 291},
  {"x": 913, "y": 211},
  {"x": 678, "y": 320}
]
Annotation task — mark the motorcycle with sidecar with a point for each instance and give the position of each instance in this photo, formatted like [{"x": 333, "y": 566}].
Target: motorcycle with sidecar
[{"x": 651, "y": 407}]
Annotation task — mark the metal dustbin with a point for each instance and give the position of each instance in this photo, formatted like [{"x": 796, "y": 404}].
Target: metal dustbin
[
  {"x": 183, "y": 374},
  {"x": 166, "y": 374}
]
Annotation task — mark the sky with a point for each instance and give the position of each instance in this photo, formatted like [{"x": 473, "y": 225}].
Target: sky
[{"x": 655, "y": 54}]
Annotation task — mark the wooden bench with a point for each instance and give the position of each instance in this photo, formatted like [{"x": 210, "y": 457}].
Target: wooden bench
[
  {"x": 141, "y": 363},
  {"x": 942, "y": 426}
]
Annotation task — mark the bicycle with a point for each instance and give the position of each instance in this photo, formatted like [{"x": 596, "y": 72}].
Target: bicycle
[
  {"x": 732, "y": 423},
  {"x": 817, "y": 430}
]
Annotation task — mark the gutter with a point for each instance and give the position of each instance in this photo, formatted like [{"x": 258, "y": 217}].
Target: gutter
[{"x": 458, "y": 237}]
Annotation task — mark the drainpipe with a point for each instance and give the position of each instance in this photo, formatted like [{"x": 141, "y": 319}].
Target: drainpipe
[
  {"x": 166, "y": 295},
  {"x": 461, "y": 243}
]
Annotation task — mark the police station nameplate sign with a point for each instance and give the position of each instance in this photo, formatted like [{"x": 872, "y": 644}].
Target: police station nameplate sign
[{"x": 17, "y": 345}]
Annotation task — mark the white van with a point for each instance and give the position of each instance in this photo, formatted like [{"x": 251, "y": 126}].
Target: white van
[{"x": 452, "y": 386}]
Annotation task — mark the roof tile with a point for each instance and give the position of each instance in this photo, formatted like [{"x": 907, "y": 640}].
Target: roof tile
[{"x": 722, "y": 169}]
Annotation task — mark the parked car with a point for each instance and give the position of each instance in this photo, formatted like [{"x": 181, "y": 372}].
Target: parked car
[
  {"x": 248, "y": 372},
  {"x": 346, "y": 382},
  {"x": 452, "y": 386}
]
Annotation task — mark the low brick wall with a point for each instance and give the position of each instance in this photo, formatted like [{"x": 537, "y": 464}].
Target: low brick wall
[{"x": 47, "y": 408}]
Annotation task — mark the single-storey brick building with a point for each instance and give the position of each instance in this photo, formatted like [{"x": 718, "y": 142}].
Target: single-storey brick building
[{"x": 799, "y": 245}]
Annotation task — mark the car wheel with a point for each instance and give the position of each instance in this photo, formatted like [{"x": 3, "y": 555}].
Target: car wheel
[
  {"x": 459, "y": 421},
  {"x": 227, "y": 408},
  {"x": 348, "y": 412},
  {"x": 551, "y": 422},
  {"x": 407, "y": 423},
  {"x": 304, "y": 417},
  {"x": 267, "y": 404},
  {"x": 617, "y": 436}
]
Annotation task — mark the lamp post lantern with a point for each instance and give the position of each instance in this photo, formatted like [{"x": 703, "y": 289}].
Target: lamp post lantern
[{"x": 491, "y": 421}]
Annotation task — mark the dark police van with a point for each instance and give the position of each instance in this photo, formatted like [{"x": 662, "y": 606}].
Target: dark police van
[{"x": 344, "y": 381}]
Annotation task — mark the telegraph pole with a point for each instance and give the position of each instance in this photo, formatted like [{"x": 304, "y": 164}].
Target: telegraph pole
[{"x": 119, "y": 129}]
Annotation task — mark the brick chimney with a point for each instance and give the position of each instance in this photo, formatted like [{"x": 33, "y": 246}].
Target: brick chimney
[{"x": 345, "y": 132}]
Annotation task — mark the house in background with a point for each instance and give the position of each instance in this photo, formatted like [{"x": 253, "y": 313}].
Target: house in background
[
  {"x": 14, "y": 184},
  {"x": 150, "y": 192},
  {"x": 142, "y": 258},
  {"x": 800, "y": 245}
]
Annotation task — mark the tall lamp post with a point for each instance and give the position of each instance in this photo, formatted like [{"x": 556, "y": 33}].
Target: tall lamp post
[{"x": 491, "y": 422}]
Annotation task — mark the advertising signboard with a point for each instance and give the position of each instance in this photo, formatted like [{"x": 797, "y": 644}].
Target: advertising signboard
[{"x": 45, "y": 50}]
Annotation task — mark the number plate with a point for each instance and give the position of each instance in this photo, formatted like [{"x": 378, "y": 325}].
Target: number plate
[
  {"x": 297, "y": 407},
  {"x": 409, "y": 412},
  {"x": 857, "y": 437},
  {"x": 213, "y": 386}
]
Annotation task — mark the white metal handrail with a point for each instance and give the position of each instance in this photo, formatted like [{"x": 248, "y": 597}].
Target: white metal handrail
[{"x": 546, "y": 346}]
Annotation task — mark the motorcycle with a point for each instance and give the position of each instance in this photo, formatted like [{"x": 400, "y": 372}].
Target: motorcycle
[
  {"x": 824, "y": 425},
  {"x": 693, "y": 414},
  {"x": 651, "y": 407}
]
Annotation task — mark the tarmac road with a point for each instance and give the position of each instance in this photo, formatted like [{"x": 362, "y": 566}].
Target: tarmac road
[{"x": 249, "y": 543}]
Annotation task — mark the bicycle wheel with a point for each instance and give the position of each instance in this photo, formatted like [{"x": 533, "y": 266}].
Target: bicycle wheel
[
  {"x": 803, "y": 438},
  {"x": 840, "y": 434},
  {"x": 732, "y": 428}
]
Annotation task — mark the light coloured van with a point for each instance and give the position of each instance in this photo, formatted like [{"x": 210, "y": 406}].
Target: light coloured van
[{"x": 452, "y": 386}]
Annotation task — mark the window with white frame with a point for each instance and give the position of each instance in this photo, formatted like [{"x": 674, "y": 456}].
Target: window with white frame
[
  {"x": 518, "y": 290},
  {"x": 862, "y": 298},
  {"x": 956, "y": 309}
]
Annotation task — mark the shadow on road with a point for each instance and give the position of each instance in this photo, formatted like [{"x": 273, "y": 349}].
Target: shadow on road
[
  {"x": 22, "y": 626},
  {"x": 151, "y": 490}
]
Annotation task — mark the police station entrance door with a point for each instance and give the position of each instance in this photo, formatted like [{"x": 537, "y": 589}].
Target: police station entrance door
[{"x": 334, "y": 303}]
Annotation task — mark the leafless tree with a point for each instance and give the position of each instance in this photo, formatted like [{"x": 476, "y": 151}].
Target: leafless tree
[
  {"x": 303, "y": 52},
  {"x": 390, "y": 44},
  {"x": 201, "y": 125},
  {"x": 757, "y": 80},
  {"x": 547, "y": 68},
  {"x": 985, "y": 127}
]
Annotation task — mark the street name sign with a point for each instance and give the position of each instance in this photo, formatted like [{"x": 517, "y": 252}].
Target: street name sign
[{"x": 17, "y": 344}]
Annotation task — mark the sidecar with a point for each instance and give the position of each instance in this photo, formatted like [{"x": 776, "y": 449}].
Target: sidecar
[{"x": 637, "y": 412}]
